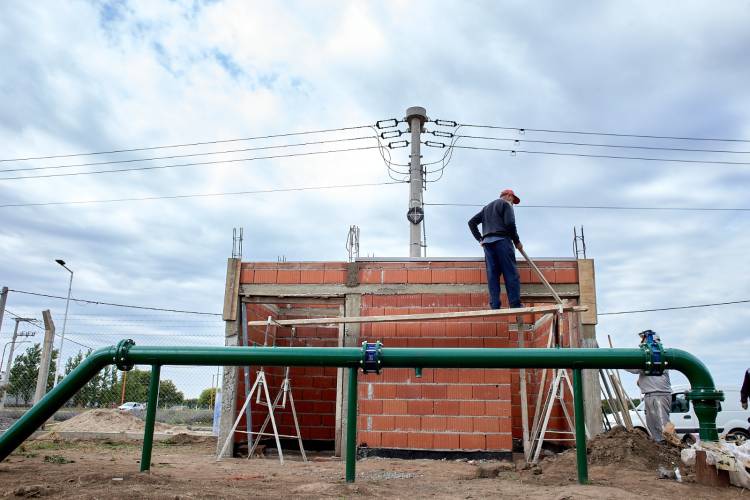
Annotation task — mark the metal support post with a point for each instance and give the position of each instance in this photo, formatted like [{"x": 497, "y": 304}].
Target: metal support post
[
  {"x": 3, "y": 300},
  {"x": 415, "y": 117},
  {"x": 351, "y": 427},
  {"x": 65, "y": 323},
  {"x": 148, "y": 433},
  {"x": 583, "y": 469}
]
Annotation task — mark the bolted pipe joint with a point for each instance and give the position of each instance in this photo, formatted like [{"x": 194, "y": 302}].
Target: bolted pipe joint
[
  {"x": 655, "y": 364},
  {"x": 371, "y": 353},
  {"x": 121, "y": 355}
]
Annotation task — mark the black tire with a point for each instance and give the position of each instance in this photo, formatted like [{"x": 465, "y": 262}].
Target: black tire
[{"x": 737, "y": 436}]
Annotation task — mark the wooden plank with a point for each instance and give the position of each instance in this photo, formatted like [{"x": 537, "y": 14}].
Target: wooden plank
[
  {"x": 231, "y": 290},
  {"x": 421, "y": 317},
  {"x": 587, "y": 286},
  {"x": 524, "y": 397}
]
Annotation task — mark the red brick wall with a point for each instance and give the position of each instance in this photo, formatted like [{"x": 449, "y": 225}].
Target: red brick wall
[{"x": 466, "y": 409}]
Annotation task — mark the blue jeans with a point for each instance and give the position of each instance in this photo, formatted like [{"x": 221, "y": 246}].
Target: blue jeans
[{"x": 500, "y": 258}]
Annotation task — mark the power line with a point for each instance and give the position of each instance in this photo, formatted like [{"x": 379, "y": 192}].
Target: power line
[
  {"x": 153, "y": 158},
  {"x": 180, "y": 165},
  {"x": 587, "y": 155},
  {"x": 100, "y": 303},
  {"x": 201, "y": 195},
  {"x": 603, "y": 207},
  {"x": 589, "y": 144},
  {"x": 203, "y": 143},
  {"x": 35, "y": 323},
  {"x": 674, "y": 308},
  {"x": 607, "y": 134}
]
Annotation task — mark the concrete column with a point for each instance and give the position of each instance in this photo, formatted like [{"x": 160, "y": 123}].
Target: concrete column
[
  {"x": 353, "y": 307},
  {"x": 591, "y": 387},
  {"x": 231, "y": 338}
]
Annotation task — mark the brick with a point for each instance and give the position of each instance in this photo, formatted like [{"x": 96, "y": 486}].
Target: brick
[
  {"x": 471, "y": 376},
  {"x": 407, "y": 423},
  {"x": 468, "y": 276},
  {"x": 265, "y": 276},
  {"x": 384, "y": 391},
  {"x": 497, "y": 376},
  {"x": 420, "y": 440},
  {"x": 472, "y": 407},
  {"x": 419, "y": 276},
  {"x": 432, "y": 329},
  {"x": 445, "y": 441},
  {"x": 470, "y": 342},
  {"x": 370, "y": 276},
  {"x": 394, "y": 439},
  {"x": 334, "y": 276},
  {"x": 495, "y": 343},
  {"x": 419, "y": 342},
  {"x": 444, "y": 342},
  {"x": 446, "y": 408},
  {"x": 445, "y": 376},
  {"x": 419, "y": 407},
  {"x": 434, "y": 423},
  {"x": 287, "y": 276},
  {"x": 524, "y": 275},
  {"x": 499, "y": 442},
  {"x": 485, "y": 392},
  {"x": 486, "y": 424},
  {"x": 472, "y": 441},
  {"x": 409, "y": 300},
  {"x": 370, "y": 407},
  {"x": 566, "y": 276},
  {"x": 459, "y": 424},
  {"x": 382, "y": 422},
  {"x": 395, "y": 407},
  {"x": 434, "y": 392},
  {"x": 483, "y": 329},
  {"x": 311, "y": 276},
  {"x": 409, "y": 391},
  {"x": 458, "y": 391},
  {"x": 506, "y": 424},
  {"x": 246, "y": 275},
  {"x": 444, "y": 276},
  {"x": 408, "y": 329},
  {"x": 458, "y": 329},
  {"x": 369, "y": 439},
  {"x": 394, "y": 276}
]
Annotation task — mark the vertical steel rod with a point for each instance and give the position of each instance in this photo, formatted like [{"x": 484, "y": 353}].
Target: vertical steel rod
[
  {"x": 583, "y": 468},
  {"x": 351, "y": 427},
  {"x": 148, "y": 433}
]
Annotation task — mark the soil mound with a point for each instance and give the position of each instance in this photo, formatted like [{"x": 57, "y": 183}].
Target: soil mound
[
  {"x": 632, "y": 449},
  {"x": 105, "y": 420}
]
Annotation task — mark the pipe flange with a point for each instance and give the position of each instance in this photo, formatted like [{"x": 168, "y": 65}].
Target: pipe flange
[
  {"x": 121, "y": 355},
  {"x": 655, "y": 364},
  {"x": 704, "y": 395},
  {"x": 370, "y": 361}
]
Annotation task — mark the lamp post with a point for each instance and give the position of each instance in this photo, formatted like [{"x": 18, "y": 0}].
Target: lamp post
[{"x": 65, "y": 321}]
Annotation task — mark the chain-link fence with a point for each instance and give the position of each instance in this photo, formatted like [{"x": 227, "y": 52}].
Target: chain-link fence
[{"x": 114, "y": 401}]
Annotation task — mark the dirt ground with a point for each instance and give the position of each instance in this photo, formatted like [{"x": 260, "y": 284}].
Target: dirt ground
[{"x": 622, "y": 466}]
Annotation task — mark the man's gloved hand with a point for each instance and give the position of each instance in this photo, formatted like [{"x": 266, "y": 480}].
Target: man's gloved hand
[
  {"x": 744, "y": 405},
  {"x": 519, "y": 245}
]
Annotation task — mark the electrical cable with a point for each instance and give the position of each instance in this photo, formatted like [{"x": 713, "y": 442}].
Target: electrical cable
[
  {"x": 607, "y": 207},
  {"x": 611, "y": 157},
  {"x": 199, "y": 195},
  {"x": 180, "y": 165},
  {"x": 606, "y": 134},
  {"x": 154, "y": 158},
  {"x": 674, "y": 308},
  {"x": 203, "y": 143},
  {"x": 100, "y": 303}
]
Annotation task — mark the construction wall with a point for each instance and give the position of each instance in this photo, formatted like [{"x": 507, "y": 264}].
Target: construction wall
[{"x": 466, "y": 409}]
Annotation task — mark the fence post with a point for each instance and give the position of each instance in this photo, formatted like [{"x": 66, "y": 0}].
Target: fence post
[{"x": 46, "y": 359}]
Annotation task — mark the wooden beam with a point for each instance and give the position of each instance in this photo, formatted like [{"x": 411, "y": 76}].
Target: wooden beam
[{"x": 421, "y": 317}]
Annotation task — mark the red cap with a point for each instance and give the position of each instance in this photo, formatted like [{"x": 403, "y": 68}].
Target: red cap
[{"x": 516, "y": 199}]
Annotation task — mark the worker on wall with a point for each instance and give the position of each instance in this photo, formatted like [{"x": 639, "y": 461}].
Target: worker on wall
[
  {"x": 498, "y": 236},
  {"x": 657, "y": 394},
  {"x": 745, "y": 391}
]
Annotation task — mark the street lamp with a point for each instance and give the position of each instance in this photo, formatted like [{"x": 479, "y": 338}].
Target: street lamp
[{"x": 65, "y": 321}]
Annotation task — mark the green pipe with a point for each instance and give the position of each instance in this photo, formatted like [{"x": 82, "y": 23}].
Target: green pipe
[
  {"x": 148, "y": 431},
  {"x": 54, "y": 400},
  {"x": 125, "y": 356},
  {"x": 583, "y": 467},
  {"x": 351, "y": 427}
]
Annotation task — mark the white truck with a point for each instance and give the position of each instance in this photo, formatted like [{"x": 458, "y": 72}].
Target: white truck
[{"x": 732, "y": 422}]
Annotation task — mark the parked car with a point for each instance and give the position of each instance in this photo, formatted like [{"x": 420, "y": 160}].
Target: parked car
[
  {"x": 732, "y": 422},
  {"x": 131, "y": 406}
]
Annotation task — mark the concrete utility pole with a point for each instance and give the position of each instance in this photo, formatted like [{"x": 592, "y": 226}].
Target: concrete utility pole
[
  {"x": 415, "y": 117},
  {"x": 3, "y": 300},
  {"x": 46, "y": 359},
  {"x": 8, "y": 366}
]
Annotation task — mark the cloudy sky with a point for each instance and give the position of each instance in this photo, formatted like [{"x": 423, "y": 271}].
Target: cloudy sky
[{"x": 100, "y": 76}]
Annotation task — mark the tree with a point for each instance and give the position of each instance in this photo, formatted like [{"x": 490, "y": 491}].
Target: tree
[
  {"x": 207, "y": 397},
  {"x": 136, "y": 389},
  {"x": 25, "y": 370}
]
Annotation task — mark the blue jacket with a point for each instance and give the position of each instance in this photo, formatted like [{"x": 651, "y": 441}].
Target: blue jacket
[{"x": 497, "y": 219}]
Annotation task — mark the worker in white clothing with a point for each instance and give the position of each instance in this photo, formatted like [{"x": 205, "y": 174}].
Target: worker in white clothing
[{"x": 657, "y": 394}]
